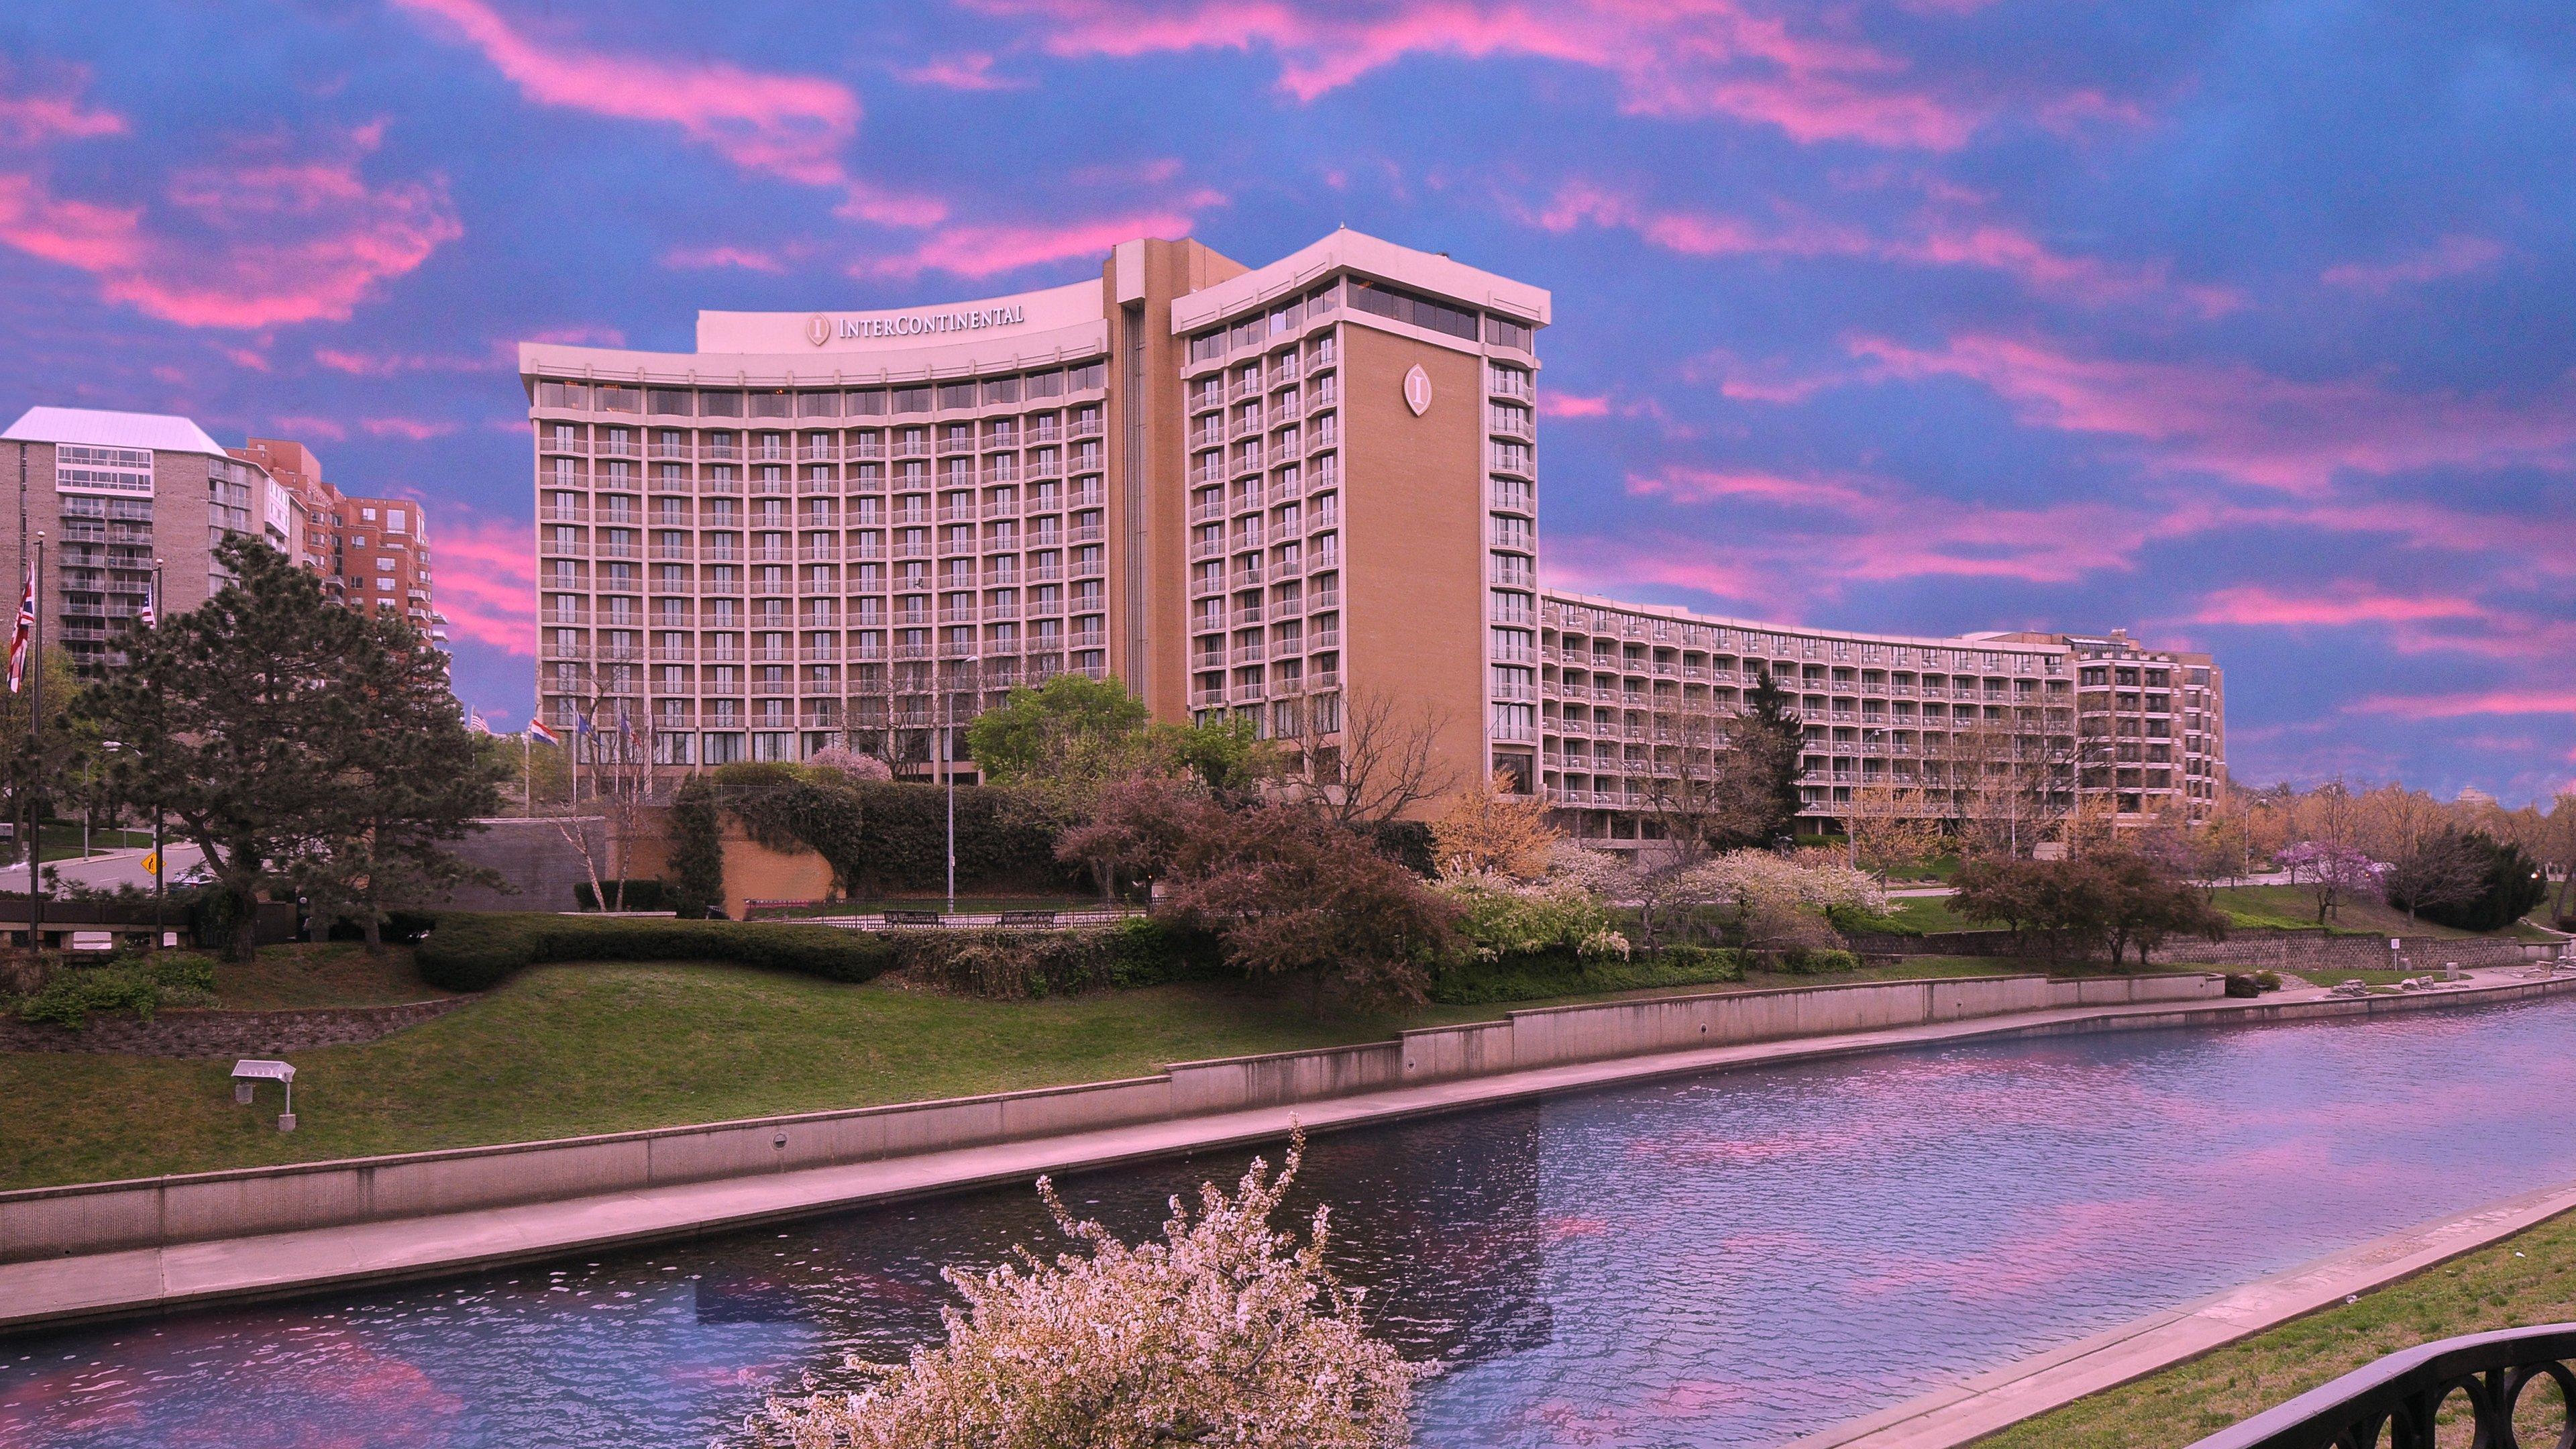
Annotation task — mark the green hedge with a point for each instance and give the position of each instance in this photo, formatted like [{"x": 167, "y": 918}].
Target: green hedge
[
  {"x": 1139, "y": 951},
  {"x": 472, "y": 951},
  {"x": 1528, "y": 978}
]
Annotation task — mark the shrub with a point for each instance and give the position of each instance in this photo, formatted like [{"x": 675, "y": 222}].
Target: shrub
[
  {"x": 1500, "y": 917},
  {"x": 1528, "y": 978},
  {"x": 1006, "y": 964},
  {"x": 1859, "y": 921},
  {"x": 633, "y": 895},
  {"x": 470, "y": 951},
  {"x": 138, "y": 986},
  {"x": 2241, "y": 985},
  {"x": 1817, "y": 961}
]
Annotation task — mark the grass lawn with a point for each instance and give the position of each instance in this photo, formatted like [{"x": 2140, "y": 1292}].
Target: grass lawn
[
  {"x": 1929, "y": 913},
  {"x": 2293, "y": 908},
  {"x": 323, "y": 974},
  {"x": 2525, "y": 1280},
  {"x": 564, "y": 1050}
]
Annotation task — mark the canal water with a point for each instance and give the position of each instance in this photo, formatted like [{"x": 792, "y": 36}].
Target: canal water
[{"x": 1732, "y": 1259}]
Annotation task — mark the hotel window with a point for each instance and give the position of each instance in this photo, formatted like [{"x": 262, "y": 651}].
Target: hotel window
[
  {"x": 1090, "y": 375},
  {"x": 912, "y": 400},
  {"x": 1042, "y": 384},
  {"x": 818, "y": 405},
  {"x": 674, "y": 402},
  {"x": 956, "y": 395},
  {"x": 1416, "y": 310},
  {"x": 1503, "y": 332}
]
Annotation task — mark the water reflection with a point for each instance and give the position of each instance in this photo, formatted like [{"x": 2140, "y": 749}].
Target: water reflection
[{"x": 1726, "y": 1260}]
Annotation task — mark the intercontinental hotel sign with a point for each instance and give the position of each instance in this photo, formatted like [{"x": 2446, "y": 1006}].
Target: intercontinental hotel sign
[{"x": 820, "y": 329}]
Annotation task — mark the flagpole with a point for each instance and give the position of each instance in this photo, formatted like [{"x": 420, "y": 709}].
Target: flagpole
[{"x": 35, "y": 734}]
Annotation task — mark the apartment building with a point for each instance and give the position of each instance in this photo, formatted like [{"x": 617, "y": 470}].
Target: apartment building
[
  {"x": 1282, "y": 493},
  {"x": 120, "y": 497},
  {"x": 372, "y": 553}
]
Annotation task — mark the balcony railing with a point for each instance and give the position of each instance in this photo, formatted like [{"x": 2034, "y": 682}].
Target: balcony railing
[{"x": 2400, "y": 1395}]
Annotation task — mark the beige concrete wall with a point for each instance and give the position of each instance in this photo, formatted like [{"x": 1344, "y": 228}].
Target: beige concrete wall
[
  {"x": 58, "y": 1222},
  {"x": 1413, "y": 573},
  {"x": 1161, "y": 677}
]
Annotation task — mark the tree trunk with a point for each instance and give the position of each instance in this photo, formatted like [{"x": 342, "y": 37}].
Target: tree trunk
[
  {"x": 244, "y": 947},
  {"x": 375, "y": 932},
  {"x": 1315, "y": 994}
]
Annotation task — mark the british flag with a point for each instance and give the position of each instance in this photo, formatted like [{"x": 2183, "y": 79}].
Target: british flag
[{"x": 24, "y": 632}]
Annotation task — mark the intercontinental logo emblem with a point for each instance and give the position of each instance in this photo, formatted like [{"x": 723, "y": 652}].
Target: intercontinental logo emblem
[
  {"x": 820, "y": 328},
  {"x": 1417, "y": 390}
]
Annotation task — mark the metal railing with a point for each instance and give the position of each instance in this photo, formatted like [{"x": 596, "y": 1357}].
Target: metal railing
[{"x": 2396, "y": 1400}]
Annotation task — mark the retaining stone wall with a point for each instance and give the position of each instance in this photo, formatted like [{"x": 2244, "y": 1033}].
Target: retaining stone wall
[{"x": 225, "y": 1033}]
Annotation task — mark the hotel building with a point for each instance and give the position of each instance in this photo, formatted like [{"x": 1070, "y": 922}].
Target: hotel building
[
  {"x": 115, "y": 494},
  {"x": 1284, "y": 493}
]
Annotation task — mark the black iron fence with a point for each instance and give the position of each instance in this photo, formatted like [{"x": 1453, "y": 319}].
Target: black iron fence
[{"x": 2395, "y": 1403}]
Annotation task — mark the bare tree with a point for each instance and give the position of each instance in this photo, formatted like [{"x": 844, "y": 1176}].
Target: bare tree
[
  {"x": 1386, "y": 761},
  {"x": 612, "y": 776},
  {"x": 1892, "y": 826},
  {"x": 2013, "y": 787}
]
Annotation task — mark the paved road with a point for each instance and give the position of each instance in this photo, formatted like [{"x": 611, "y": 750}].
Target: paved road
[{"x": 109, "y": 869}]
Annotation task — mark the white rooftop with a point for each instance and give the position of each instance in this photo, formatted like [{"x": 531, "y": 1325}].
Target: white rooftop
[{"x": 94, "y": 428}]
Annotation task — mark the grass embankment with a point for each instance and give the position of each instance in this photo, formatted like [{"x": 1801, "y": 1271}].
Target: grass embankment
[
  {"x": 564, "y": 1050},
  {"x": 2252, "y": 907},
  {"x": 2524, "y": 1280}
]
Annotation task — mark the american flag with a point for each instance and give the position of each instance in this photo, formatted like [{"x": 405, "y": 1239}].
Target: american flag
[
  {"x": 25, "y": 631},
  {"x": 474, "y": 721},
  {"x": 151, "y": 596}
]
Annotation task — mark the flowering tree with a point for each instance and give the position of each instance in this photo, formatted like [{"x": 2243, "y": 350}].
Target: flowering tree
[
  {"x": 1494, "y": 831},
  {"x": 1225, "y": 1332},
  {"x": 1779, "y": 904},
  {"x": 2332, "y": 873},
  {"x": 1499, "y": 917}
]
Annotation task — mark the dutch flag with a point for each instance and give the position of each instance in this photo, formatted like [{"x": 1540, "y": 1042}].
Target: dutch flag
[{"x": 537, "y": 730}]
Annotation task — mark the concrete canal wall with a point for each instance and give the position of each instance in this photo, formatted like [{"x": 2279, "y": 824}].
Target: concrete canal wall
[{"x": 41, "y": 1223}]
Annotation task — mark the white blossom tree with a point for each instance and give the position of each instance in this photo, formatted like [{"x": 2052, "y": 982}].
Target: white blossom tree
[{"x": 1225, "y": 1332}]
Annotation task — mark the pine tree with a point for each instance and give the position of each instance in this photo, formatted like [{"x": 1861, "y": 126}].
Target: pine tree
[
  {"x": 296, "y": 742},
  {"x": 1764, "y": 746}
]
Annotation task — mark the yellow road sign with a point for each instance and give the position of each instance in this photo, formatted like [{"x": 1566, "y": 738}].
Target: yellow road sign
[{"x": 151, "y": 862}]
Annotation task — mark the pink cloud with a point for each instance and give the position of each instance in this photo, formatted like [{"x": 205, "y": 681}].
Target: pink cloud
[
  {"x": 988, "y": 250},
  {"x": 1878, "y": 530},
  {"x": 1701, "y": 58},
  {"x": 790, "y": 126},
  {"x": 2253, "y": 604},
  {"x": 2233, "y": 419},
  {"x": 268, "y": 240},
  {"x": 2558, "y": 701},
  {"x": 1936, "y": 238},
  {"x": 38, "y": 115},
  {"x": 2452, "y": 256},
  {"x": 80, "y": 234},
  {"x": 699, "y": 258},
  {"x": 411, "y": 429},
  {"x": 971, "y": 72},
  {"x": 1572, "y": 405},
  {"x": 487, "y": 582},
  {"x": 394, "y": 364}
]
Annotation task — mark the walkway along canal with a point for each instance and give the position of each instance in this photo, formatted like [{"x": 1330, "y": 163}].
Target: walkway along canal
[{"x": 1737, "y": 1258}]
